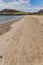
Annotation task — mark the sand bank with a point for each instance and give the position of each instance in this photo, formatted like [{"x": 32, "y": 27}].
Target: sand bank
[{"x": 23, "y": 44}]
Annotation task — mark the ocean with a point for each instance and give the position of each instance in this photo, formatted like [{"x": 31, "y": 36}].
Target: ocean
[{"x": 5, "y": 19}]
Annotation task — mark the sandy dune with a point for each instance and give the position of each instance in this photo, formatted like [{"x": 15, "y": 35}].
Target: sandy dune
[{"x": 23, "y": 44}]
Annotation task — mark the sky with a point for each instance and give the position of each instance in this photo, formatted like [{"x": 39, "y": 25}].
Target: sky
[{"x": 22, "y": 5}]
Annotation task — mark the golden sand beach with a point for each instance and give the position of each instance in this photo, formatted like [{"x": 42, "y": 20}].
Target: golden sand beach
[{"x": 23, "y": 43}]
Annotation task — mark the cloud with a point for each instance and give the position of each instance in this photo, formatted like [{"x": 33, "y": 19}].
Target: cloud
[
  {"x": 13, "y": 4},
  {"x": 23, "y": 5}
]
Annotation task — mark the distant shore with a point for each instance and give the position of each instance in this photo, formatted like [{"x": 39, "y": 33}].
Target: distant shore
[{"x": 12, "y": 14}]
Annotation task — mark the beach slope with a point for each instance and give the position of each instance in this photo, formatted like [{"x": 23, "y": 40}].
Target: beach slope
[{"x": 23, "y": 43}]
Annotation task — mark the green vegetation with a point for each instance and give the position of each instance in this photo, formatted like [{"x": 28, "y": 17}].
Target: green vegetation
[{"x": 20, "y": 13}]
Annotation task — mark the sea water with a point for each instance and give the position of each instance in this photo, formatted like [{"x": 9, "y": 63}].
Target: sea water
[{"x": 5, "y": 19}]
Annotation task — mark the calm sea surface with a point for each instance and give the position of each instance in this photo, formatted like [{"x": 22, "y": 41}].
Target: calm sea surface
[{"x": 4, "y": 19}]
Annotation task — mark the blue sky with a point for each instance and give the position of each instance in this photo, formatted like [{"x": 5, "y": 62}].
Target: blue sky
[{"x": 23, "y": 5}]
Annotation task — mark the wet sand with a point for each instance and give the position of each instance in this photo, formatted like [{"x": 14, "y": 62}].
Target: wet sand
[
  {"x": 6, "y": 27},
  {"x": 23, "y": 44}
]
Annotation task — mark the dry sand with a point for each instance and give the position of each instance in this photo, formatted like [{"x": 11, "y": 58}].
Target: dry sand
[{"x": 23, "y": 44}]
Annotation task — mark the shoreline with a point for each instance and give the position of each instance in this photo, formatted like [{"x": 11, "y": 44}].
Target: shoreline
[{"x": 5, "y": 27}]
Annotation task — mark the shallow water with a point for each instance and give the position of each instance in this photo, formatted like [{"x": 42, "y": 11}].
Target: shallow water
[{"x": 4, "y": 19}]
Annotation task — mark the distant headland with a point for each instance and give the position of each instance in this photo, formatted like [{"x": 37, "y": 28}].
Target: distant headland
[{"x": 15, "y": 12}]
